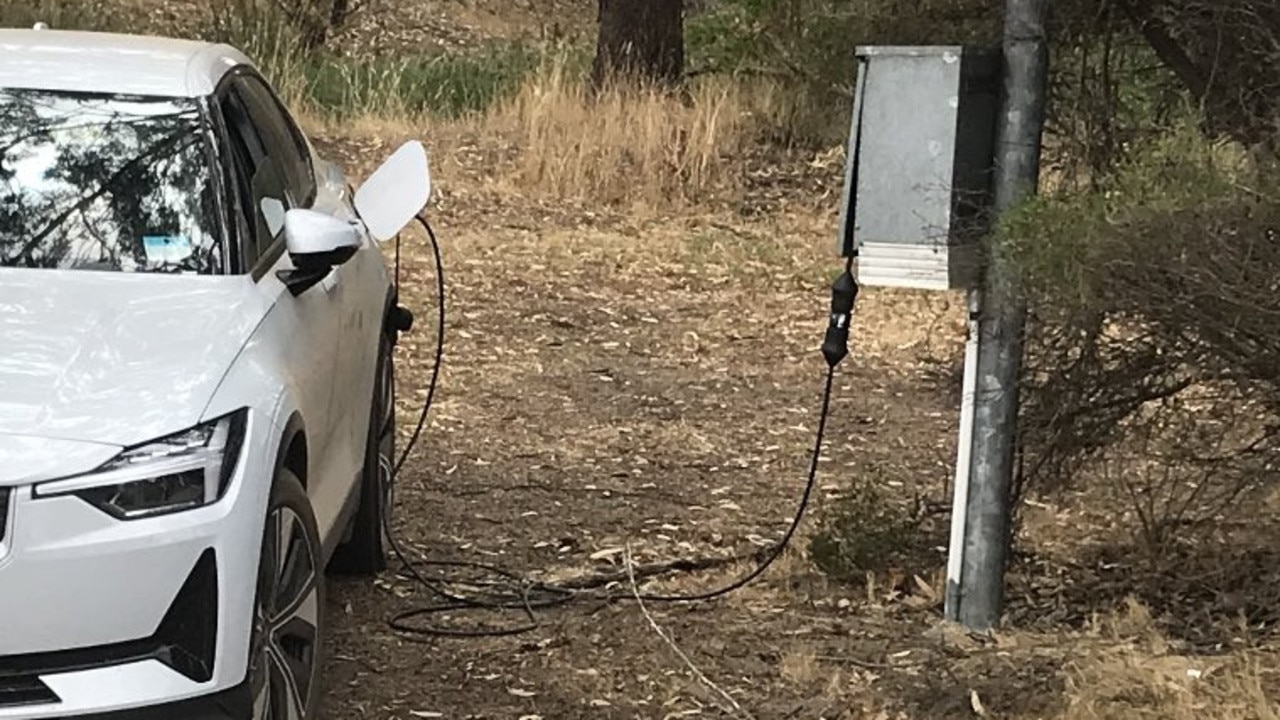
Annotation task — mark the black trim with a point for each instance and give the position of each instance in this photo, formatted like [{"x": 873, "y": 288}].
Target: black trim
[
  {"x": 188, "y": 635},
  {"x": 22, "y": 691},
  {"x": 231, "y": 453},
  {"x": 233, "y": 213},
  {"x": 185, "y": 641},
  {"x": 17, "y": 667},
  {"x": 214, "y": 140},
  {"x": 5, "y": 494}
]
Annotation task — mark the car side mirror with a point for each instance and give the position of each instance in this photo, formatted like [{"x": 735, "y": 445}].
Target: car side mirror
[
  {"x": 396, "y": 192},
  {"x": 316, "y": 243}
]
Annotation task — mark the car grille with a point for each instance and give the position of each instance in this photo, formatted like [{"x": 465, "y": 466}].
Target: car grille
[{"x": 4, "y": 512}]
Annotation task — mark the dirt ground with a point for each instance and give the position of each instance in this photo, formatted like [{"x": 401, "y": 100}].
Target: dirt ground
[{"x": 653, "y": 383}]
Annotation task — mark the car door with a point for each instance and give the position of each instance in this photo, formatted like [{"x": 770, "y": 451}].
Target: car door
[
  {"x": 361, "y": 286},
  {"x": 270, "y": 176}
]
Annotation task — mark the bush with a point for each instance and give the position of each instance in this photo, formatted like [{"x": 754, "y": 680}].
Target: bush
[
  {"x": 1154, "y": 340},
  {"x": 342, "y": 87},
  {"x": 865, "y": 533}
]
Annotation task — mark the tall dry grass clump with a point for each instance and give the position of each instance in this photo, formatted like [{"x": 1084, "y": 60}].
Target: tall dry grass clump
[
  {"x": 1137, "y": 674},
  {"x": 624, "y": 145}
]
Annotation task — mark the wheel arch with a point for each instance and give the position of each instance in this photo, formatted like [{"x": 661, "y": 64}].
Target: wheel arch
[
  {"x": 389, "y": 306},
  {"x": 293, "y": 452}
]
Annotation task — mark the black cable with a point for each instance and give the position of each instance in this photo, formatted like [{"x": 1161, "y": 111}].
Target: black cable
[
  {"x": 438, "y": 585},
  {"x": 439, "y": 360},
  {"x": 516, "y": 592}
]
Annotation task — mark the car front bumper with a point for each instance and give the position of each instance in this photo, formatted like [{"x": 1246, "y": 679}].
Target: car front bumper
[{"x": 100, "y": 617}]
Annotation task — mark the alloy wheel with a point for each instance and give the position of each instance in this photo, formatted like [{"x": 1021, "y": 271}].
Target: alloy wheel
[{"x": 286, "y": 621}]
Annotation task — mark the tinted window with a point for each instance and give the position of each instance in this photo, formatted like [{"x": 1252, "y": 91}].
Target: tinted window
[
  {"x": 259, "y": 181},
  {"x": 105, "y": 182},
  {"x": 271, "y": 167},
  {"x": 283, "y": 137}
]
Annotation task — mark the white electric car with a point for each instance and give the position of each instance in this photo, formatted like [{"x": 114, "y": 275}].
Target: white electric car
[{"x": 196, "y": 333}]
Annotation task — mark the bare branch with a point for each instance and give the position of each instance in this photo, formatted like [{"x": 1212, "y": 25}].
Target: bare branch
[{"x": 731, "y": 705}]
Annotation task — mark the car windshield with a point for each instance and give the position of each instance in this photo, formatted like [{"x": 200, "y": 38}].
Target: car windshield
[{"x": 105, "y": 182}]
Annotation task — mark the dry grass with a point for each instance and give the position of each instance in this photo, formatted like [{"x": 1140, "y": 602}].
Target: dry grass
[
  {"x": 625, "y": 145},
  {"x": 801, "y": 667},
  {"x": 1139, "y": 676},
  {"x": 635, "y": 150}
]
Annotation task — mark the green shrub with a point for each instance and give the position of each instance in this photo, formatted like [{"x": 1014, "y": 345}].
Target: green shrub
[
  {"x": 865, "y": 532},
  {"x": 1153, "y": 348}
]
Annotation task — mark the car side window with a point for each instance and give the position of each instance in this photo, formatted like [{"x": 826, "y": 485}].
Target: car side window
[
  {"x": 259, "y": 180},
  {"x": 282, "y": 135}
]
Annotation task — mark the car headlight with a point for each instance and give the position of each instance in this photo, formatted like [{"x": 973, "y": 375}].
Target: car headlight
[{"x": 183, "y": 471}]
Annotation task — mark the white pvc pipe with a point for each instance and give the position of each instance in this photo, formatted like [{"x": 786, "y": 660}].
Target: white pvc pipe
[{"x": 964, "y": 457}]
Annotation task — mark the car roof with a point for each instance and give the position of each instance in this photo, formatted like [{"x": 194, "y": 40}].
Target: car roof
[{"x": 80, "y": 61}]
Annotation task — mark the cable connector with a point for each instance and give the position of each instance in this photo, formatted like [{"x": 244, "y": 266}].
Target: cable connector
[
  {"x": 844, "y": 292},
  {"x": 401, "y": 319}
]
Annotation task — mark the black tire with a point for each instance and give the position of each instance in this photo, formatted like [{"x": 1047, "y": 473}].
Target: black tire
[
  {"x": 286, "y": 648},
  {"x": 364, "y": 553}
]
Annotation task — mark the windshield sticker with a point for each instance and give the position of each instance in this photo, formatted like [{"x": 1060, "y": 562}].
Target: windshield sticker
[{"x": 166, "y": 249}]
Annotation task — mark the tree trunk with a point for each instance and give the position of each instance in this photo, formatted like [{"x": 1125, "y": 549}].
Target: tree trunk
[{"x": 640, "y": 40}]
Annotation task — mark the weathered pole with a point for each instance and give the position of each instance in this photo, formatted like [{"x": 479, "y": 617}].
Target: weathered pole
[{"x": 1001, "y": 319}]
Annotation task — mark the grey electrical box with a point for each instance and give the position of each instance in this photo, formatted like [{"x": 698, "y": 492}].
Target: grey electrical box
[{"x": 921, "y": 150}]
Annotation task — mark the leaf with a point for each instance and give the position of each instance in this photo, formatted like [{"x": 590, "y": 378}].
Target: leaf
[
  {"x": 926, "y": 589},
  {"x": 975, "y": 702},
  {"x": 521, "y": 693}
]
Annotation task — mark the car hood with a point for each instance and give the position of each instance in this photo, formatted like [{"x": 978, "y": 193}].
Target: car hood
[{"x": 116, "y": 358}]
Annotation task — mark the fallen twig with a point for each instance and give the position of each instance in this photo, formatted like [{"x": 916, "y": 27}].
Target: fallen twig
[
  {"x": 593, "y": 581},
  {"x": 868, "y": 664},
  {"x": 733, "y": 707}
]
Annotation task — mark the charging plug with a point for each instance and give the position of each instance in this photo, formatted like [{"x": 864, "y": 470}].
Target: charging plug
[
  {"x": 844, "y": 291},
  {"x": 401, "y": 319}
]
